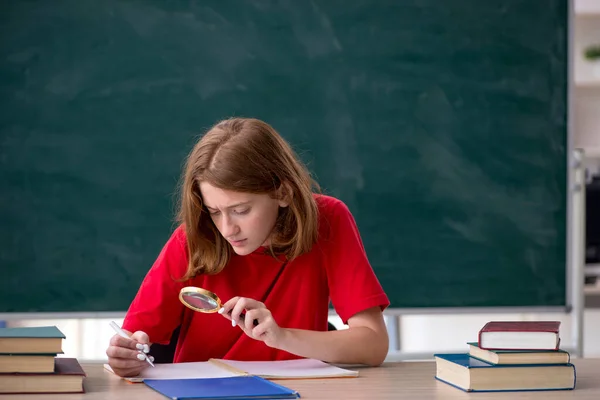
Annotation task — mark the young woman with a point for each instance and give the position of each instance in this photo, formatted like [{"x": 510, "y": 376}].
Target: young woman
[{"x": 253, "y": 232}]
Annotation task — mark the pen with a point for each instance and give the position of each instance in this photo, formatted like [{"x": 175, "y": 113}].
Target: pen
[{"x": 122, "y": 333}]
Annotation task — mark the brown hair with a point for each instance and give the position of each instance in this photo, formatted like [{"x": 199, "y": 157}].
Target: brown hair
[{"x": 245, "y": 155}]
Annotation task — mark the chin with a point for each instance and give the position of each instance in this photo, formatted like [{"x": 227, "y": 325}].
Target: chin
[{"x": 243, "y": 251}]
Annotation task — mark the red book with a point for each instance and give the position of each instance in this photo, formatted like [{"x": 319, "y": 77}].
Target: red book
[
  {"x": 67, "y": 378},
  {"x": 520, "y": 335}
]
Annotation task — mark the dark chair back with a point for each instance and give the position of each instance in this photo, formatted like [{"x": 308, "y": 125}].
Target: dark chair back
[{"x": 164, "y": 353}]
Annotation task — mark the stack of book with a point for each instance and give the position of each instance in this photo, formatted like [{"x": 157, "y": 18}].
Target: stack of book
[
  {"x": 510, "y": 356},
  {"x": 29, "y": 362}
]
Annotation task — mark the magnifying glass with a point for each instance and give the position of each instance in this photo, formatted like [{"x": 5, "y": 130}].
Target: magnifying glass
[{"x": 202, "y": 300}]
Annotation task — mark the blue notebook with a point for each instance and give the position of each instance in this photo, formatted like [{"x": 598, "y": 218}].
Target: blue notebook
[
  {"x": 473, "y": 375},
  {"x": 234, "y": 388}
]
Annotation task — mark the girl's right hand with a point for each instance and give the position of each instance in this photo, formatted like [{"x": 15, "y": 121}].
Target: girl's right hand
[{"x": 124, "y": 355}]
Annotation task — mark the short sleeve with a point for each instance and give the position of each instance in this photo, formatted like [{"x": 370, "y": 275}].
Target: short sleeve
[
  {"x": 353, "y": 285},
  {"x": 156, "y": 309}
]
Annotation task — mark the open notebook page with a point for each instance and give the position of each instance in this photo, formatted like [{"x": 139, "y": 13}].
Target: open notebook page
[
  {"x": 189, "y": 370},
  {"x": 288, "y": 369}
]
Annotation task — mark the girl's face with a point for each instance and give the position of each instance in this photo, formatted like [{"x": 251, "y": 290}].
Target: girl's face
[{"x": 245, "y": 220}]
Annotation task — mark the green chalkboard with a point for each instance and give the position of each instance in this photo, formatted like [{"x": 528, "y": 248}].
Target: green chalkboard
[{"x": 441, "y": 124}]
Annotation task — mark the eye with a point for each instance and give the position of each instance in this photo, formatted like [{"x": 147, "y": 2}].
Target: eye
[
  {"x": 213, "y": 212},
  {"x": 242, "y": 211}
]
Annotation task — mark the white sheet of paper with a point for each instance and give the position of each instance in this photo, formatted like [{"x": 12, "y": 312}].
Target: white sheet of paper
[
  {"x": 217, "y": 368},
  {"x": 302, "y": 368},
  {"x": 189, "y": 370}
]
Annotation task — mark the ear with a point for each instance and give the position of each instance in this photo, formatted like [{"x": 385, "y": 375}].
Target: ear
[{"x": 284, "y": 194}]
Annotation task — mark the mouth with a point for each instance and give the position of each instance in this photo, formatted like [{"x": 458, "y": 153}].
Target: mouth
[{"x": 237, "y": 243}]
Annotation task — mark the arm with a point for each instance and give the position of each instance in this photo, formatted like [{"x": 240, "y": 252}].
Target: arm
[
  {"x": 347, "y": 266},
  {"x": 364, "y": 342}
]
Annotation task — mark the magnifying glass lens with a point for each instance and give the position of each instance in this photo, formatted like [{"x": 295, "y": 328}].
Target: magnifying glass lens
[{"x": 201, "y": 301}]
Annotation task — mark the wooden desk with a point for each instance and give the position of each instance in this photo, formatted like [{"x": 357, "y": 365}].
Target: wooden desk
[{"x": 402, "y": 380}]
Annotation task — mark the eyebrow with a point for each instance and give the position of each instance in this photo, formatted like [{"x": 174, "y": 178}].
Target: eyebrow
[{"x": 243, "y": 203}]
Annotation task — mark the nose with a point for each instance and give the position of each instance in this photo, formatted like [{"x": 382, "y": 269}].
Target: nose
[{"x": 228, "y": 227}]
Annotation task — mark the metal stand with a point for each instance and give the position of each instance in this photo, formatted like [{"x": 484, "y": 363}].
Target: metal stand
[{"x": 576, "y": 247}]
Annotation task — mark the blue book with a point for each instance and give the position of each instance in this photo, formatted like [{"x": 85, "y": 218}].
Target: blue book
[
  {"x": 234, "y": 388},
  {"x": 473, "y": 375}
]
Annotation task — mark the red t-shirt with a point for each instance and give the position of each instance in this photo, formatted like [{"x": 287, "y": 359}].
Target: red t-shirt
[{"x": 335, "y": 269}]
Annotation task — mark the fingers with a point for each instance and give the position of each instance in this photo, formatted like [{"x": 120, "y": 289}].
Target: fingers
[
  {"x": 258, "y": 332},
  {"x": 126, "y": 363},
  {"x": 141, "y": 337},
  {"x": 254, "y": 318},
  {"x": 127, "y": 372},
  {"x": 225, "y": 309},
  {"x": 127, "y": 367},
  {"x": 119, "y": 341},
  {"x": 121, "y": 352},
  {"x": 236, "y": 306},
  {"x": 142, "y": 357},
  {"x": 124, "y": 359},
  {"x": 125, "y": 354},
  {"x": 143, "y": 341}
]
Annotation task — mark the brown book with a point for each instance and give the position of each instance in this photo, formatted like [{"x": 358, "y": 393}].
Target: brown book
[
  {"x": 38, "y": 339},
  {"x": 520, "y": 335},
  {"x": 67, "y": 378},
  {"x": 26, "y": 363}
]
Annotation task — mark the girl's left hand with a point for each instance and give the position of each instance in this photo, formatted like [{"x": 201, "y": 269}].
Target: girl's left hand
[{"x": 267, "y": 329}]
